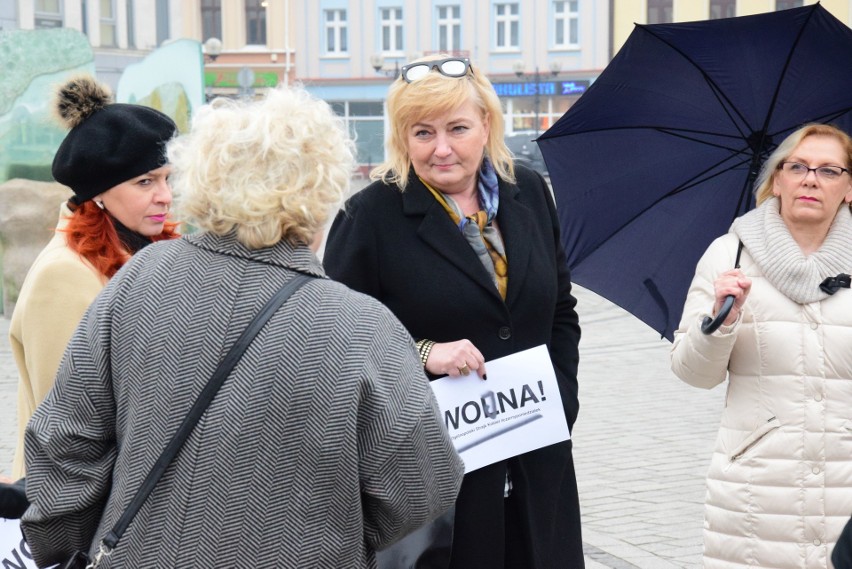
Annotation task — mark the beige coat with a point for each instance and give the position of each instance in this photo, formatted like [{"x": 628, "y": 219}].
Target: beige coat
[
  {"x": 779, "y": 487},
  {"x": 57, "y": 290}
]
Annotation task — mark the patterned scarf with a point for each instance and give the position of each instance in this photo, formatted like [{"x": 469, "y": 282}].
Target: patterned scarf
[
  {"x": 478, "y": 228},
  {"x": 764, "y": 233}
]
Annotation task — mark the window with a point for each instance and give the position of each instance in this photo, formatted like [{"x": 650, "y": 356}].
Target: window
[
  {"x": 506, "y": 20},
  {"x": 566, "y": 20},
  {"x": 335, "y": 31},
  {"x": 659, "y": 11},
  {"x": 163, "y": 26},
  {"x": 131, "y": 33},
  {"x": 391, "y": 19},
  {"x": 48, "y": 14},
  {"x": 108, "y": 23},
  {"x": 365, "y": 122},
  {"x": 722, "y": 9},
  {"x": 255, "y": 22},
  {"x": 211, "y": 19},
  {"x": 449, "y": 28},
  {"x": 787, "y": 4}
]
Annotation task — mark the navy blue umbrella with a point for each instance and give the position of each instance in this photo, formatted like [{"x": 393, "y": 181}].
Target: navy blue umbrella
[{"x": 660, "y": 155}]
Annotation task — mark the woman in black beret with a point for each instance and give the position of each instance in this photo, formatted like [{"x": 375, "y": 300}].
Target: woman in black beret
[{"x": 113, "y": 159}]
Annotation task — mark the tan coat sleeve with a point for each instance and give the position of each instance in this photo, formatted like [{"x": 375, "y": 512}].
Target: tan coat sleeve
[{"x": 56, "y": 293}]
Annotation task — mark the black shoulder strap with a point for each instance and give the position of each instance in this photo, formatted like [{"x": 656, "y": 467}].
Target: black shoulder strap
[
  {"x": 739, "y": 252},
  {"x": 201, "y": 403}
]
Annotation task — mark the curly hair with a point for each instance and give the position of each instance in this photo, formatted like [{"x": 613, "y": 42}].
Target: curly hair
[
  {"x": 437, "y": 94},
  {"x": 268, "y": 170},
  {"x": 91, "y": 233},
  {"x": 766, "y": 179}
]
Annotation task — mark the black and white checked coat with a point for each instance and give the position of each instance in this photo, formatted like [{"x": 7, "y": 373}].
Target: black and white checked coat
[{"x": 323, "y": 445}]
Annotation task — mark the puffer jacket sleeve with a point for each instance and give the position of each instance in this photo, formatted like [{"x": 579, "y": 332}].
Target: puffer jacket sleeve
[
  {"x": 699, "y": 359},
  {"x": 410, "y": 472},
  {"x": 70, "y": 447}
]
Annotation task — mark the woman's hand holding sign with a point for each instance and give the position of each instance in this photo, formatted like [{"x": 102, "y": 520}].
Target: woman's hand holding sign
[{"x": 456, "y": 359}]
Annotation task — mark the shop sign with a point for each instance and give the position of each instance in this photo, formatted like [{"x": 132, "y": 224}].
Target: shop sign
[
  {"x": 231, "y": 78},
  {"x": 547, "y": 88}
]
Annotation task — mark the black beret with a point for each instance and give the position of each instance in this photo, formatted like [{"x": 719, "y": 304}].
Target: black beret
[{"x": 108, "y": 143}]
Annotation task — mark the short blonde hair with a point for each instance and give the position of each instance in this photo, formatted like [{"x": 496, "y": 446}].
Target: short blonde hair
[
  {"x": 436, "y": 94},
  {"x": 769, "y": 171},
  {"x": 269, "y": 170}
]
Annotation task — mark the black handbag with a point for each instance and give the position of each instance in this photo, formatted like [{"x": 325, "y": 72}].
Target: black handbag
[
  {"x": 80, "y": 559},
  {"x": 426, "y": 548}
]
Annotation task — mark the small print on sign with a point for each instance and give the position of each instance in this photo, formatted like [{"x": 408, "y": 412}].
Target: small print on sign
[{"x": 517, "y": 410}]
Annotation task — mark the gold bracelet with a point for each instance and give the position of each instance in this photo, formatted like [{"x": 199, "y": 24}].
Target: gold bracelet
[{"x": 424, "y": 347}]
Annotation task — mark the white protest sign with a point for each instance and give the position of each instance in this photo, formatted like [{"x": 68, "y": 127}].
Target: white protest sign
[
  {"x": 518, "y": 409},
  {"x": 14, "y": 552}
]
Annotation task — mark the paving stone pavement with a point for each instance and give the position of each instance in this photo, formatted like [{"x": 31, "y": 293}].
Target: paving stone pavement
[
  {"x": 642, "y": 442},
  {"x": 642, "y": 445}
]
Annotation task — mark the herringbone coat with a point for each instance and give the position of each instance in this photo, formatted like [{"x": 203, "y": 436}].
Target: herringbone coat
[{"x": 323, "y": 445}]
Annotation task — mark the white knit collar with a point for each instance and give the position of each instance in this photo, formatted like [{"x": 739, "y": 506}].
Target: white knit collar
[{"x": 768, "y": 240}]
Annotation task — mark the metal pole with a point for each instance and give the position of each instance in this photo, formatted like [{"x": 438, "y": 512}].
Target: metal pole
[
  {"x": 537, "y": 99},
  {"x": 286, "y": 42}
]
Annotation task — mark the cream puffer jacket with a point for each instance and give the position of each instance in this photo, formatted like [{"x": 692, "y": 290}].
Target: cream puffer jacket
[{"x": 779, "y": 487}]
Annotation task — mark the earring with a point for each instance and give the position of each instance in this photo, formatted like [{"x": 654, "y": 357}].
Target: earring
[{"x": 99, "y": 204}]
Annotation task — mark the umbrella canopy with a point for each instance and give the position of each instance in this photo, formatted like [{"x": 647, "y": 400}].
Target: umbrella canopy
[{"x": 660, "y": 155}]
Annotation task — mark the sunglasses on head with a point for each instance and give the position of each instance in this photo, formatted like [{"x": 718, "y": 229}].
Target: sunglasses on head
[{"x": 450, "y": 67}]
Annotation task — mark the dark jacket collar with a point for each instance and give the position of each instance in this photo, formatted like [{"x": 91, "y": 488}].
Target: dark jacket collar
[{"x": 437, "y": 230}]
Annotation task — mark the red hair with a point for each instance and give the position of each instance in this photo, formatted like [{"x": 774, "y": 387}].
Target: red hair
[{"x": 91, "y": 233}]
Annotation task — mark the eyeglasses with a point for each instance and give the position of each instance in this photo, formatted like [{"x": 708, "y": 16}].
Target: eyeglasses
[
  {"x": 797, "y": 170},
  {"x": 450, "y": 67}
]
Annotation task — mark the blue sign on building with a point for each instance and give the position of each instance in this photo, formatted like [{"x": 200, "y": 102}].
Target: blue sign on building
[{"x": 577, "y": 87}]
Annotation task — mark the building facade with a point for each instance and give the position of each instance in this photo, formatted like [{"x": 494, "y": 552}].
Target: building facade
[
  {"x": 350, "y": 51},
  {"x": 347, "y": 52},
  {"x": 247, "y": 43},
  {"x": 627, "y": 12}
]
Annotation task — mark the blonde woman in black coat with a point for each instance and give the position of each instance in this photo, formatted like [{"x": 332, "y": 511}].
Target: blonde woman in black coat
[{"x": 464, "y": 248}]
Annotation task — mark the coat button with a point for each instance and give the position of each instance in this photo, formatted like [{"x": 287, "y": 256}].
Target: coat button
[
  {"x": 504, "y": 333},
  {"x": 817, "y": 397},
  {"x": 817, "y": 542},
  {"x": 815, "y": 470}
]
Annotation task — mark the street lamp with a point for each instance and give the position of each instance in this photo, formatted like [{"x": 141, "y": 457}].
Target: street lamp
[
  {"x": 519, "y": 67},
  {"x": 377, "y": 60},
  {"x": 212, "y": 48}
]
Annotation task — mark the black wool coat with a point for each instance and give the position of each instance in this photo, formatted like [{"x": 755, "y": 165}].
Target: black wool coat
[
  {"x": 403, "y": 249},
  {"x": 842, "y": 554}
]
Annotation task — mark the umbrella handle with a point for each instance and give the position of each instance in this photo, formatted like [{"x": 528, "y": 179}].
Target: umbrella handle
[{"x": 710, "y": 325}]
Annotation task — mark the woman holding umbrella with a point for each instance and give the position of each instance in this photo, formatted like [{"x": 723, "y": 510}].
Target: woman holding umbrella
[
  {"x": 463, "y": 246},
  {"x": 779, "y": 488}
]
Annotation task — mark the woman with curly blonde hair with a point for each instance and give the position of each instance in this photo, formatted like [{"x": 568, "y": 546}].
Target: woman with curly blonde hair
[{"x": 323, "y": 444}]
